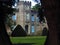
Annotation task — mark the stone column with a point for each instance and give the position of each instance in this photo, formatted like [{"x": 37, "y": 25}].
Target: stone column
[{"x": 29, "y": 29}]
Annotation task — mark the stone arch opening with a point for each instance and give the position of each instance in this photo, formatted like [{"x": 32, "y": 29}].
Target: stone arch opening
[
  {"x": 26, "y": 28},
  {"x": 45, "y": 31}
]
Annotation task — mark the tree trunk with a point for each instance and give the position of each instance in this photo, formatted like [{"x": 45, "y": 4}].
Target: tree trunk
[
  {"x": 4, "y": 38},
  {"x": 52, "y": 13}
]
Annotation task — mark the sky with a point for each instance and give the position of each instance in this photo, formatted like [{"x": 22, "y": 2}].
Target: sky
[
  {"x": 13, "y": 17},
  {"x": 32, "y": 2}
]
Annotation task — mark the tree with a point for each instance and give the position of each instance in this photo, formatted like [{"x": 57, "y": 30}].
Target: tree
[
  {"x": 9, "y": 21},
  {"x": 38, "y": 8},
  {"x": 52, "y": 11},
  {"x": 5, "y": 9}
]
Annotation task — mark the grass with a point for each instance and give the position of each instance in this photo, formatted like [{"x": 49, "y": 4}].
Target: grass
[{"x": 37, "y": 40}]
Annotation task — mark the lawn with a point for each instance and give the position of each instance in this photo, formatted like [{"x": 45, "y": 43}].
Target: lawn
[{"x": 33, "y": 40}]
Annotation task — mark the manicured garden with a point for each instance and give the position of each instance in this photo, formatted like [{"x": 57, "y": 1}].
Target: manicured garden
[{"x": 33, "y": 40}]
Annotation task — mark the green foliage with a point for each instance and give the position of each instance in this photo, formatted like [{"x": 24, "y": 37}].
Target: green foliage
[
  {"x": 36, "y": 7},
  {"x": 39, "y": 9},
  {"x": 9, "y": 21}
]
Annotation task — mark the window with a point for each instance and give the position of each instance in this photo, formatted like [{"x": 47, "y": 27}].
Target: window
[
  {"x": 32, "y": 29},
  {"x": 32, "y": 18},
  {"x": 37, "y": 19},
  {"x": 27, "y": 16},
  {"x": 27, "y": 7}
]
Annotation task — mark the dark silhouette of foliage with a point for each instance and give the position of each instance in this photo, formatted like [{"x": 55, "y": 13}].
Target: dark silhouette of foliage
[
  {"x": 19, "y": 31},
  {"x": 4, "y": 38},
  {"x": 5, "y": 9}
]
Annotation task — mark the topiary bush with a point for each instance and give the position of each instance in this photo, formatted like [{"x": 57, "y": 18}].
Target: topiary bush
[{"x": 18, "y": 32}]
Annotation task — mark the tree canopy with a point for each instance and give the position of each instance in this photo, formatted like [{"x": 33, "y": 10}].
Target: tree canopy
[
  {"x": 36, "y": 7},
  {"x": 39, "y": 9}
]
